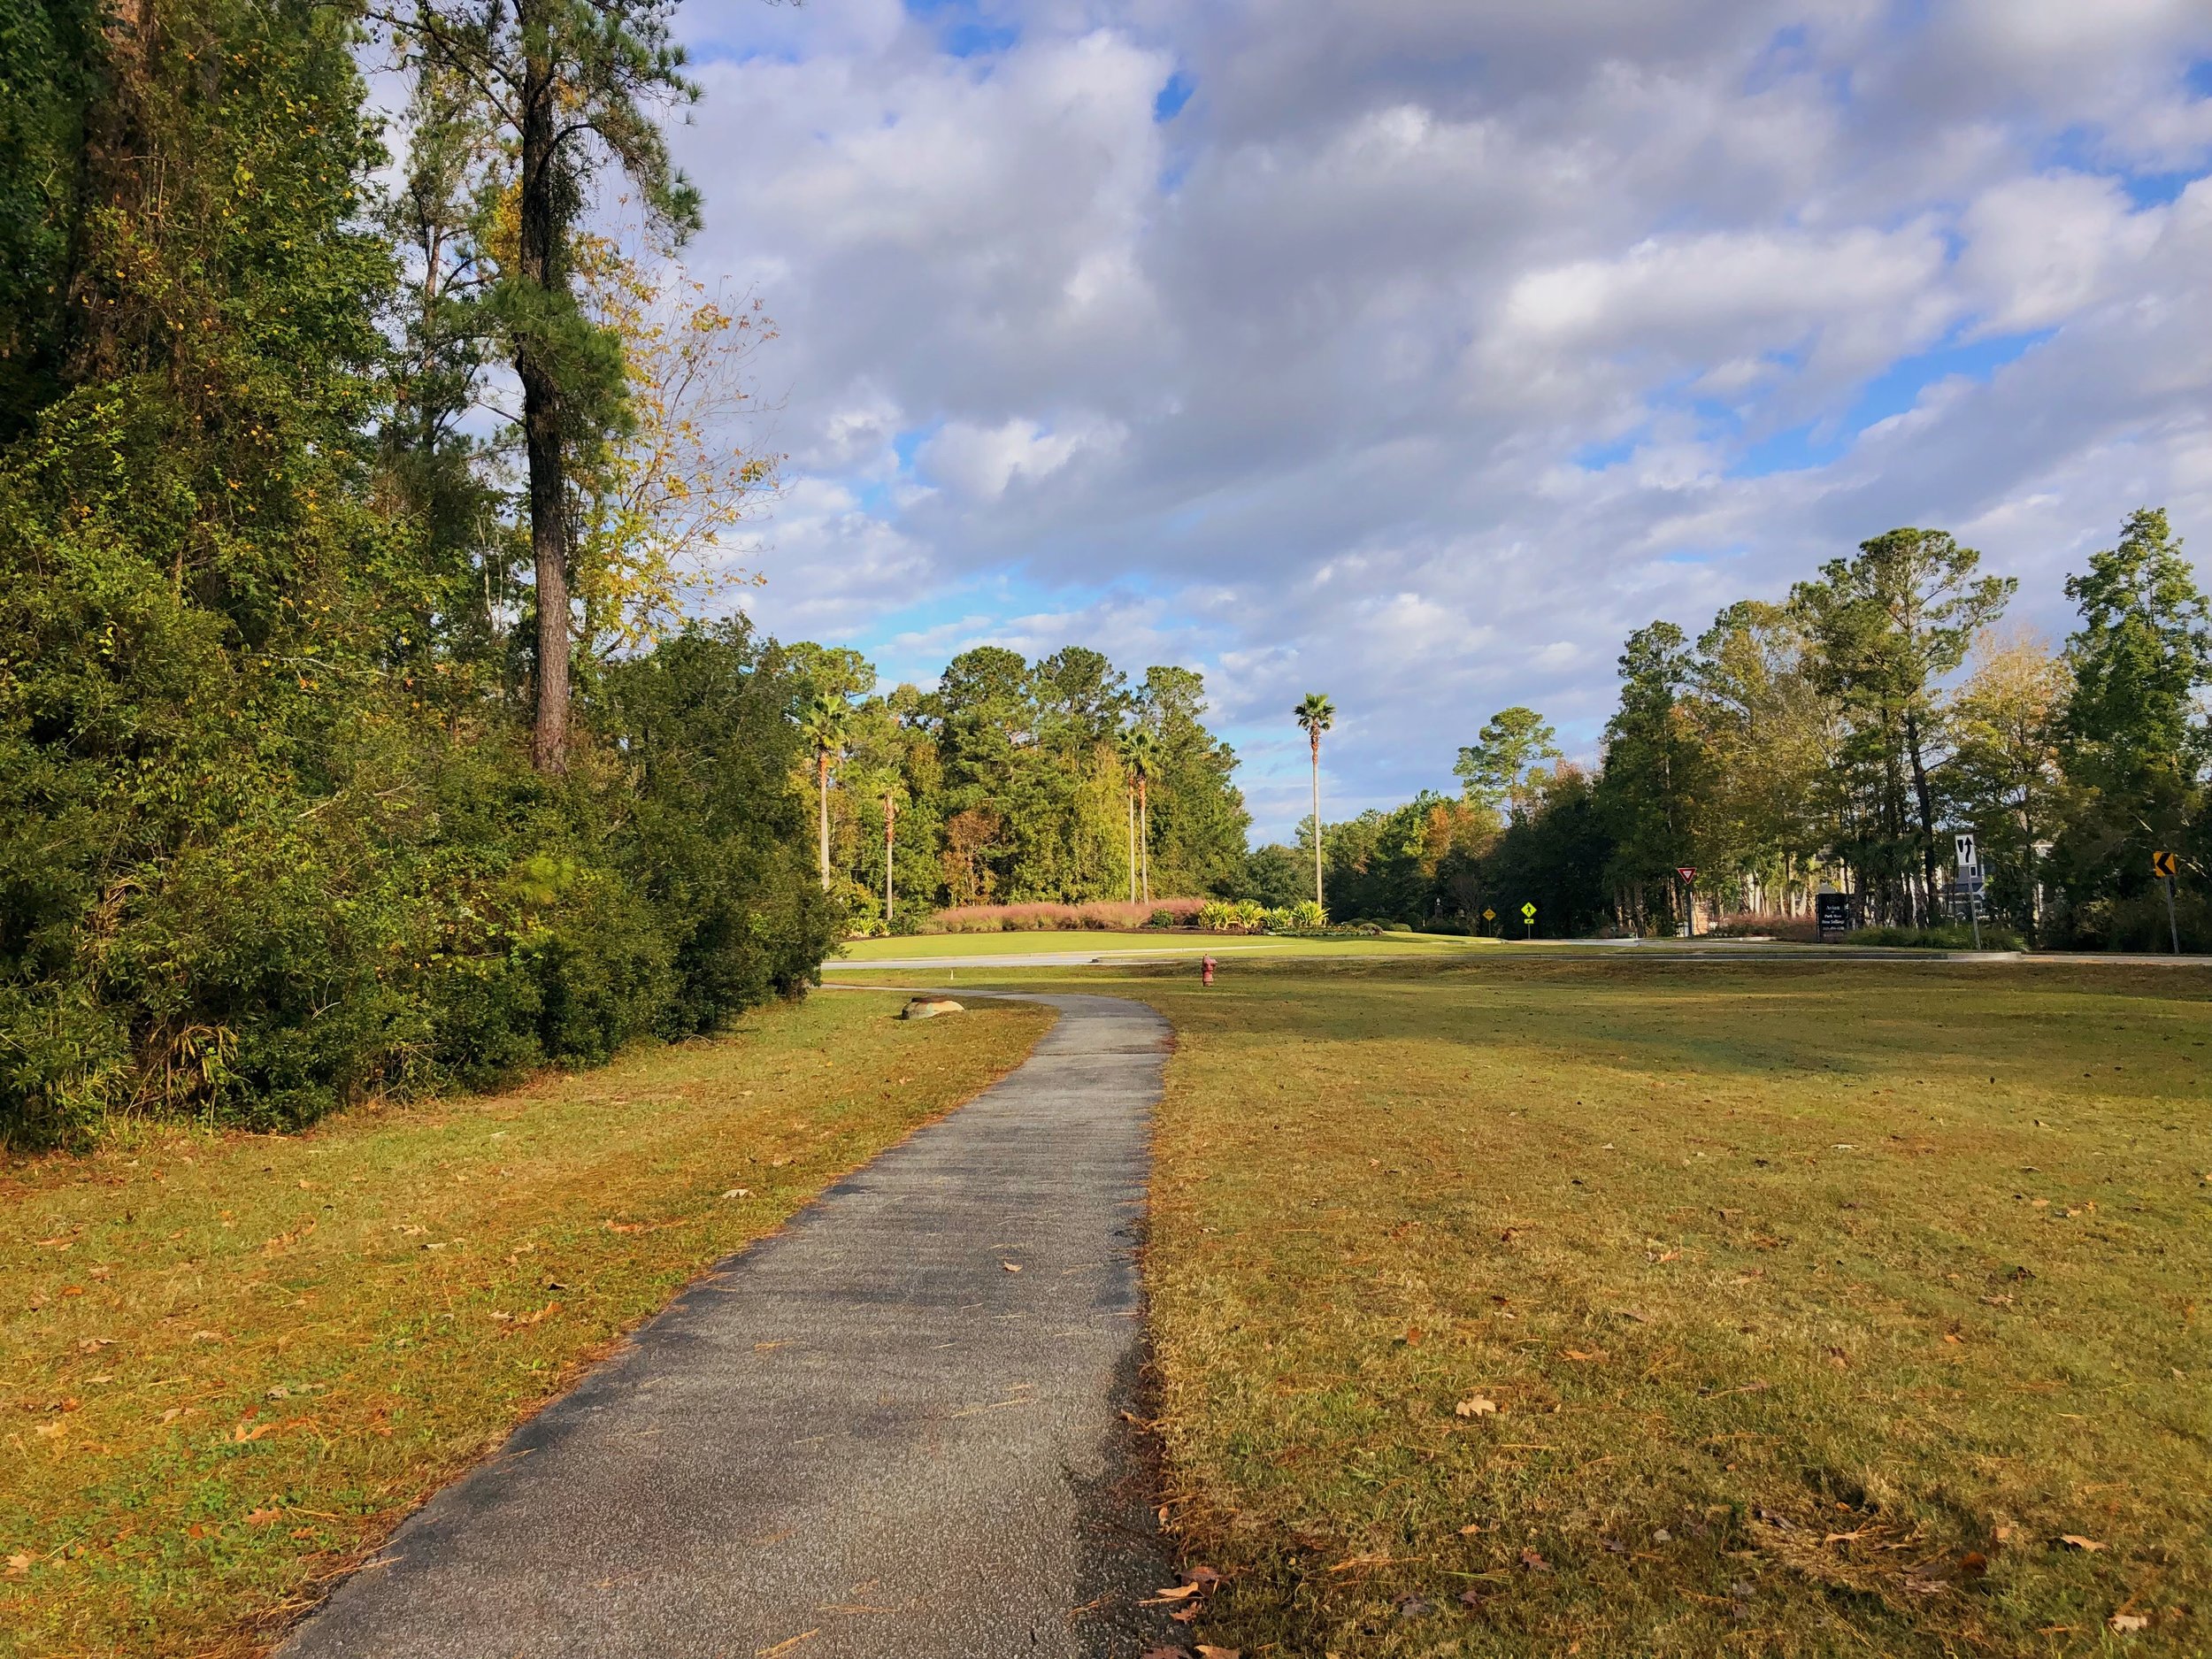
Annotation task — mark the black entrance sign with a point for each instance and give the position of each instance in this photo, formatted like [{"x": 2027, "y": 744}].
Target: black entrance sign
[{"x": 1832, "y": 911}]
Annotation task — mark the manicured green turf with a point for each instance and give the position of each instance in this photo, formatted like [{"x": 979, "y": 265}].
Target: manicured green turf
[
  {"x": 1820, "y": 1306},
  {"x": 939, "y": 946},
  {"x": 228, "y": 1364}
]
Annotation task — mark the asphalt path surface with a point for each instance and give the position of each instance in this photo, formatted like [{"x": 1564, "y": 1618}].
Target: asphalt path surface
[{"x": 893, "y": 1430}]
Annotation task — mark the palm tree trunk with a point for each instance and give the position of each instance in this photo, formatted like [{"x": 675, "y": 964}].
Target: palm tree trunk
[
  {"x": 890, "y": 820},
  {"x": 821, "y": 773},
  {"x": 1317, "y": 824},
  {"x": 1131, "y": 799},
  {"x": 1144, "y": 835}
]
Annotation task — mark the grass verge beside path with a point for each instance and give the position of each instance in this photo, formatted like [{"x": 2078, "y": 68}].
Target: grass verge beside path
[
  {"x": 228, "y": 1364},
  {"x": 1617, "y": 1309}
]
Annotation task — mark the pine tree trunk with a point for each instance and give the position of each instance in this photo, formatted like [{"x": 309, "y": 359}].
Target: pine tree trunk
[
  {"x": 538, "y": 232},
  {"x": 1924, "y": 797},
  {"x": 821, "y": 773}
]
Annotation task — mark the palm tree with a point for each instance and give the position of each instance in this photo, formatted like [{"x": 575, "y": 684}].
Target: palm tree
[
  {"x": 1140, "y": 753},
  {"x": 1316, "y": 714},
  {"x": 822, "y": 723}
]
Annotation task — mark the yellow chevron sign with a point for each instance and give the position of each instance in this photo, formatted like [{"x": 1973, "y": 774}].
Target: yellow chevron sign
[{"x": 2164, "y": 864}]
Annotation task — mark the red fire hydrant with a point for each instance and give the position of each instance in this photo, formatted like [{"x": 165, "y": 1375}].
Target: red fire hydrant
[{"x": 1206, "y": 969}]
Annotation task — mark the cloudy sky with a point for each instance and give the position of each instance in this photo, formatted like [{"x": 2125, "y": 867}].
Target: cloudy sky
[{"x": 1415, "y": 350}]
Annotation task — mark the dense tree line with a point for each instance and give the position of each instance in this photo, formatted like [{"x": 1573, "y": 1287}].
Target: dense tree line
[
  {"x": 1838, "y": 740},
  {"x": 284, "y": 815},
  {"x": 1012, "y": 782}
]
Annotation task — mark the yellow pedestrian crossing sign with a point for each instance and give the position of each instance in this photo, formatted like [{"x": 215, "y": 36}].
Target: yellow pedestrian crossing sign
[
  {"x": 2164, "y": 864},
  {"x": 1528, "y": 912}
]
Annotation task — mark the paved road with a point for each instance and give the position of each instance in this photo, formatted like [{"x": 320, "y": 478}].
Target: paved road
[{"x": 865, "y": 1438}]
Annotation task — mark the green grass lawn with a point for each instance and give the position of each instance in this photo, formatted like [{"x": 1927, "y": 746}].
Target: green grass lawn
[
  {"x": 936, "y": 947},
  {"x": 228, "y": 1364},
  {"x": 1546, "y": 1307}
]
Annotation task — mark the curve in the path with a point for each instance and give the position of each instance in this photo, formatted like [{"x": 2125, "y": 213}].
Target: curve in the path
[{"x": 892, "y": 1431}]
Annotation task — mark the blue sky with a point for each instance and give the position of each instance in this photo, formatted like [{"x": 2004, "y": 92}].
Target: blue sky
[{"x": 1416, "y": 351}]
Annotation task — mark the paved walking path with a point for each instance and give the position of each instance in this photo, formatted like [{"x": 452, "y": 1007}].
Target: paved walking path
[{"x": 868, "y": 1437}]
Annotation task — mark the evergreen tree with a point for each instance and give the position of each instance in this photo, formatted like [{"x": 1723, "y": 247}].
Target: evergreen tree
[
  {"x": 1656, "y": 778},
  {"x": 1502, "y": 767},
  {"x": 1888, "y": 626},
  {"x": 2132, "y": 737},
  {"x": 567, "y": 88}
]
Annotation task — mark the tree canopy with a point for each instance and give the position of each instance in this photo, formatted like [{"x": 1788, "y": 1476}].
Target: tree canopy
[{"x": 1839, "y": 740}]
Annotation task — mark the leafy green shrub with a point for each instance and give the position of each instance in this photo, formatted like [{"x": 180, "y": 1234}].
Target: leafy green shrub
[
  {"x": 1231, "y": 916},
  {"x": 1304, "y": 917},
  {"x": 1945, "y": 936}
]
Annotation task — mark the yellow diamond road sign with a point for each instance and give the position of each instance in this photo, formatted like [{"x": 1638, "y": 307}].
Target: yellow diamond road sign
[
  {"x": 1529, "y": 910},
  {"x": 1489, "y": 915},
  {"x": 2163, "y": 864}
]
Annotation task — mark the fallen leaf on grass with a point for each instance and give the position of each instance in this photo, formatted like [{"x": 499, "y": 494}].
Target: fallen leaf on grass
[
  {"x": 19, "y": 1564},
  {"x": 1353, "y": 1564},
  {"x": 1166, "y": 1653},
  {"x": 94, "y": 1344},
  {"x": 1590, "y": 1356},
  {"x": 1176, "y": 1594},
  {"x": 262, "y": 1517},
  {"x": 1533, "y": 1562},
  {"x": 737, "y": 1192},
  {"x": 1471, "y": 1529},
  {"x": 2126, "y": 1624},
  {"x": 1475, "y": 1406},
  {"x": 1205, "y": 1652},
  {"x": 2077, "y": 1541},
  {"x": 242, "y": 1433}
]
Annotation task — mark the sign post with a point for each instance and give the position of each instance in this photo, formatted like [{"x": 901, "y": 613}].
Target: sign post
[
  {"x": 1688, "y": 872},
  {"x": 1528, "y": 917},
  {"x": 2163, "y": 865},
  {"x": 1970, "y": 880},
  {"x": 1489, "y": 915}
]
